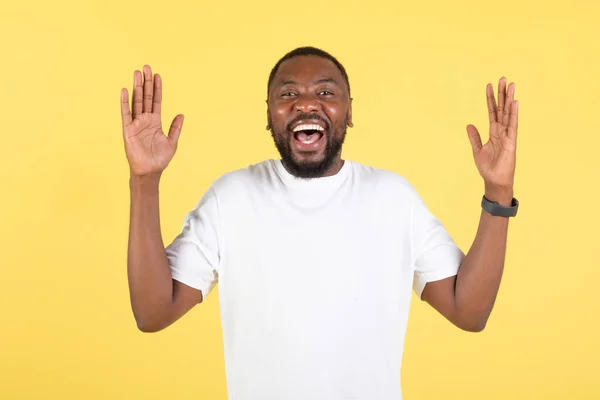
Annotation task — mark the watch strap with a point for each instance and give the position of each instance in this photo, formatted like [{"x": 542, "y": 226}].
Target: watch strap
[{"x": 499, "y": 210}]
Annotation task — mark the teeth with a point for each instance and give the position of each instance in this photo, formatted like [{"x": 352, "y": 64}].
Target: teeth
[{"x": 309, "y": 127}]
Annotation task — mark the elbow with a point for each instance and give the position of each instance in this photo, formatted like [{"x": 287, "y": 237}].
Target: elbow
[
  {"x": 474, "y": 325},
  {"x": 146, "y": 327},
  {"x": 149, "y": 325},
  {"x": 475, "y": 328}
]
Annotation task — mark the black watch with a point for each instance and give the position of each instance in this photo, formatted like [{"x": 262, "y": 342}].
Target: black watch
[{"x": 498, "y": 210}]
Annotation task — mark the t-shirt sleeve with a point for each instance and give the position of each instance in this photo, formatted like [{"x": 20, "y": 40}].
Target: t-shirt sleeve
[
  {"x": 194, "y": 253},
  {"x": 436, "y": 254}
]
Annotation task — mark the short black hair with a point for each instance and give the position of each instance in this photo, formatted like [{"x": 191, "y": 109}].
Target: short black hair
[{"x": 308, "y": 51}]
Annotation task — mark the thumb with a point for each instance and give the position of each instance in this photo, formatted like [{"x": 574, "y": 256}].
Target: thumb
[
  {"x": 474, "y": 138},
  {"x": 175, "y": 129}
]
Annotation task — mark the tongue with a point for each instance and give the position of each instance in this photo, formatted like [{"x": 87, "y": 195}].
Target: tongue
[{"x": 308, "y": 138}]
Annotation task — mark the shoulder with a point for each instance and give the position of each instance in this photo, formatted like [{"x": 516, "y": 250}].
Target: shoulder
[
  {"x": 241, "y": 179},
  {"x": 384, "y": 181}
]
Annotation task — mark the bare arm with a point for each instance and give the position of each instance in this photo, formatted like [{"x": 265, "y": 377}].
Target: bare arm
[
  {"x": 156, "y": 299},
  {"x": 467, "y": 299}
]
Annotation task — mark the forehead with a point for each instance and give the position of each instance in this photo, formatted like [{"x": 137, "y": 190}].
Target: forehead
[{"x": 307, "y": 69}]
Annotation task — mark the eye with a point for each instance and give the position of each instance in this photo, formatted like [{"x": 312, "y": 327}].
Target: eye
[
  {"x": 288, "y": 94},
  {"x": 325, "y": 93}
]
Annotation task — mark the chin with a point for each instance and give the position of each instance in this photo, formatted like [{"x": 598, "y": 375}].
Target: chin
[
  {"x": 307, "y": 159},
  {"x": 308, "y": 163},
  {"x": 309, "y": 167}
]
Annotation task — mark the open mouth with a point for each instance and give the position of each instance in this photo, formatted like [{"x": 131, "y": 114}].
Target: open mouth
[{"x": 308, "y": 134}]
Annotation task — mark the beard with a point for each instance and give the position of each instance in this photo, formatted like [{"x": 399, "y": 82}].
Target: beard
[{"x": 309, "y": 169}]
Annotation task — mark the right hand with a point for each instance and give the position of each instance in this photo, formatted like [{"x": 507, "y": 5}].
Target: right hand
[{"x": 148, "y": 149}]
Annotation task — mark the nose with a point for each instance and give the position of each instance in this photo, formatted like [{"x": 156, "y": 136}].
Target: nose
[{"x": 306, "y": 103}]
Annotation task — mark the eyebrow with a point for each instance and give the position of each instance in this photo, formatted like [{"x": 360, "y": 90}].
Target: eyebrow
[
  {"x": 322, "y": 80},
  {"x": 327, "y": 80}
]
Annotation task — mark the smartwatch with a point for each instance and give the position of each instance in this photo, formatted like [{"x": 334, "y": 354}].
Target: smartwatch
[{"x": 498, "y": 210}]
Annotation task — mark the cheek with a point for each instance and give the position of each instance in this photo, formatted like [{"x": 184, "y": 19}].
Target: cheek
[
  {"x": 337, "y": 114},
  {"x": 332, "y": 110},
  {"x": 279, "y": 115}
]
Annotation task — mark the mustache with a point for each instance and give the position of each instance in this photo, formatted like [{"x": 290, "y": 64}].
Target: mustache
[{"x": 305, "y": 116}]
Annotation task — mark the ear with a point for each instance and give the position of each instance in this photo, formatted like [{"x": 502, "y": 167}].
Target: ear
[
  {"x": 268, "y": 116},
  {"x": 350, "y": 124}
]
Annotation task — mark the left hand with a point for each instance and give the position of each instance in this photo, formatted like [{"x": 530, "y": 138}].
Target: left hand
[{"x": 496, "y": 159}]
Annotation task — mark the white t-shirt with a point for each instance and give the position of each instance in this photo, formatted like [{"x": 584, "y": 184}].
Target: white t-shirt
[{"x": 315, "y": 277}]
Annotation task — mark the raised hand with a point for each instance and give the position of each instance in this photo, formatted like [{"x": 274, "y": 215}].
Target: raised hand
[
  {"x": 147, "y": 148},
  {"x": 496, "y": 159}
]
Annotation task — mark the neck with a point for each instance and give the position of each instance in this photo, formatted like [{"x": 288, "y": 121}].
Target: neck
[{"x": 333, "y": 169}]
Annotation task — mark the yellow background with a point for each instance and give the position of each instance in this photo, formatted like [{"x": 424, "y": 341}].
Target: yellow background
[{"x": 418, "y": 72}]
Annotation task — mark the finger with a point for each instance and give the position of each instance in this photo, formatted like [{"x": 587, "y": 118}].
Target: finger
[
  {"x": 157, "y": 101},
  {"x": 509, "y": 99},
  {"x": 501, "y": 98},
  {"x": 495, "y": 131},
  {"x": 125, "y": 111},
  {"x": 175, "y": 129},
  {"x": 491, "y": 102},
  {"x": 474, "y": 138},
  {"x": 148, "y": 89},
  {"x": 137, "y": 94},
  {"x": 513, "y": 125}
]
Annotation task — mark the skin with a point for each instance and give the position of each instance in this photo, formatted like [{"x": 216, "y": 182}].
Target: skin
[
  {"x": 156, "y": 299},
  {"x": 309, "y": 87},
  {"x": 305, "y": 85},
  {"x": 467, "y": 299}
]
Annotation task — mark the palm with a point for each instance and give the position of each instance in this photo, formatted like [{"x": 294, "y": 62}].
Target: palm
[
  {"x": 496, "y": 159},
  {"x": 147, "y": 148}
]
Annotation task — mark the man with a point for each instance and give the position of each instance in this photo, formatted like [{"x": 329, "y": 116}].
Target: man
[{"x": 315, "y": 256}]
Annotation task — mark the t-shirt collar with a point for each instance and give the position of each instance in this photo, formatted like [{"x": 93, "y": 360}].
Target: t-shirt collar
[{"x": 325, "y": 181}]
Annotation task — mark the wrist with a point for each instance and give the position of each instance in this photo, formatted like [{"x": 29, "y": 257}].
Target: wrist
[
  {"x": 144, "y": 182},
  {"x": 500, "y": 195}
]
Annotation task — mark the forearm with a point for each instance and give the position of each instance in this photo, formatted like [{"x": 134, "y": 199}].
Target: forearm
[
  {"x": 481, "y": 271},
  {"x": 150, "y": 281}
]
